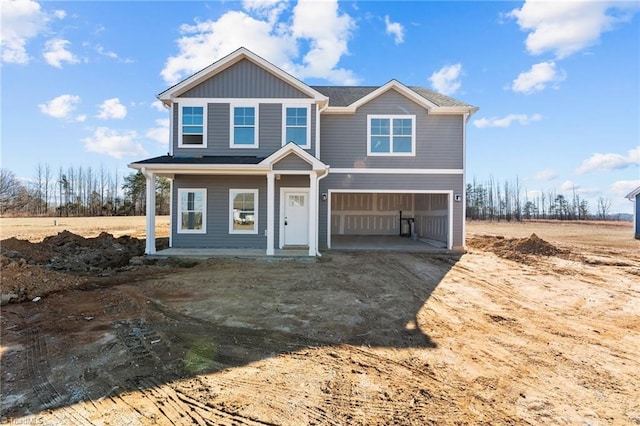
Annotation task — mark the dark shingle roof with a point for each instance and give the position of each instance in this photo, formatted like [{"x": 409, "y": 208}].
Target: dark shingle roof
[
  {"x": 340, "y": 96},
  {"x": 204, "y": 159}
]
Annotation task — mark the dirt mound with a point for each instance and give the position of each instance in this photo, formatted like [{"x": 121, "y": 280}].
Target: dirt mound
[
  {"x": 70, "y": 252},
  {"x": 519, "y": 249}
]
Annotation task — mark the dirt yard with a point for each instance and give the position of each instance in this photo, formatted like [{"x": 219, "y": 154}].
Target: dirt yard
[{"x": 522, "y": 329}]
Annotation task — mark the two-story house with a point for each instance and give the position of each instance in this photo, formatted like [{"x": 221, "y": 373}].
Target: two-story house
[{"x": 258, "y": 159}]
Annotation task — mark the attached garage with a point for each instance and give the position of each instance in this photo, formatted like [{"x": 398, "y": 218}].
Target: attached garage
[{"x": 400, "y": 217}]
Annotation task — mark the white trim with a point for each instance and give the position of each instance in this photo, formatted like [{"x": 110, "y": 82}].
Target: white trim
[
  {"x": 404, "y": 90},
  {"x": 171, "y": 213},
  {"x": 293, "y": 148},
  {"x": 204, "y": 212},
  {"x": 633, "y": 194},
  {"x": 171, "y": 136},
  {"x": 398, "y": 171},
  {"x": 392, "y": 117},
  {"x": 187, "y": 102},
  {"x": 256, "y": 201},
  {"x": 228, "y": 101},
  {"x": 391, "y": 191},
  {"x": 270, "y": 213},
  {"x": 284, "y": 124},
  {"x": 313, "y": 207},
  {"x": 464, "y": 179},
  {"x": 150, "y": 214},
  {"x": 283, "y": 191},
  {"x": 232, "y": 125},
  {"x": 230, "y": 60}
]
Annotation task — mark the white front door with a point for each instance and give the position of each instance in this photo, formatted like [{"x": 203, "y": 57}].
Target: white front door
[{"x": 295, "y": 218}]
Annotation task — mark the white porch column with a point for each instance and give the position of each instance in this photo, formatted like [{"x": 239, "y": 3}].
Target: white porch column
[
  {"x": 151, "y": 212},
  {"x": 270, "y": 213},
  {"x": 313, "y": 212}
]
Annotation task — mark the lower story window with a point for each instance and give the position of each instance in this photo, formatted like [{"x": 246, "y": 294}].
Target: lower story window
[
  {"x": 192, "y": 210},
  {"x": 243, "y": 211}
]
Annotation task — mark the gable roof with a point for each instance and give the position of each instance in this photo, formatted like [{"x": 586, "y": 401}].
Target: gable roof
[
  {"x": 342, "y": 96},
  {"x": 346, "y": 99},
  {"x": 293, "y": 149},
  {"x": 228, "y": 61},
  {"x": 633, "y": 194}
]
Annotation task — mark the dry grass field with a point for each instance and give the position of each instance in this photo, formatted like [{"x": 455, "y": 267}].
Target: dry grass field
[
  {"x": 36, "y": 228},
  {"x": 519, "y": 330}
]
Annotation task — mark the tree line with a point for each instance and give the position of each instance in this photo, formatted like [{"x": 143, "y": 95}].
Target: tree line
[
  {"x": 493, "y": 200},
  {"x": 79, "y": 191}
]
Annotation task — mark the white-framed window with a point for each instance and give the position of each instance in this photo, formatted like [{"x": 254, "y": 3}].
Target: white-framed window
[
  {"x": 192, "y": 210},
  {"x": 192, "y": 129},
  {"x": 243, "y": 211},
  {"x": 296, "y": 125},
  {"x": 391, "y": 135},
  {"x": 244, "y": 126}
]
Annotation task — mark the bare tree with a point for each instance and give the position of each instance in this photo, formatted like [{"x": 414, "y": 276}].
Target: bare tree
[{"x": 604, "y": 205}]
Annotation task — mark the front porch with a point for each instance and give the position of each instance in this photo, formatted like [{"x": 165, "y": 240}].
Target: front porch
[{"x": 279, "y": 195}]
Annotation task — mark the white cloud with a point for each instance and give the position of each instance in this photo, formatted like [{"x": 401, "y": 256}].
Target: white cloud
[
  {"x": 56, "y": 53},
  {"x": 112, "y": 108},
  {"x": 568, "y": 185},
  {"x": 20, "y": 21},
  {"x": 60, "y": 14},
  {"x": 447, "y": 79},
  {"x": 506, "y": 121},
  {"x": 160, "y": 133},
  {"x": 158, "y": 106},
  {"x": 546, "y": 175},
  {"x": 610, "y": 161},
  {"x": 395, "y": 29},
  {"x": 261, "y": 29},
  {"x": 61, "y": 107},
  {"x": 537, "y": 78},
  {"x": 623, "y": 187},
  {"x": 567, "y": 27},
  {"x": 110, "y": 54},
  {"x": 114, "y": 143}
]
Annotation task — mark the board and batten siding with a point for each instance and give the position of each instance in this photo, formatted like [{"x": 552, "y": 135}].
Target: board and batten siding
[
  {"x": 439, "y": 138},
  {"x": 246, "y": 80},
  {"x": 219, "y": 132},
  {"x": 388, "y": 183},
  {"x": 292, "y": 162},
  {"x": 217, "y": 235}
]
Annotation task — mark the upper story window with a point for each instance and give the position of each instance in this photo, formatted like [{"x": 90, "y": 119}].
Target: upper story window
[
  {"x": 244, "y": 133},
  {"x": 193, "y": 131},
  {"x": 296, "y": 126},
  {"x": 391, "y": 135}
]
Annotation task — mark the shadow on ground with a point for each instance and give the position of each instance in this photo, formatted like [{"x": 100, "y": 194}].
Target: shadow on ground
[{"x": 103, "y": 341}]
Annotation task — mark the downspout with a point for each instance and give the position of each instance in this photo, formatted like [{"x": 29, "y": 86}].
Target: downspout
[
  {"x": 318, "y": 254},
  {"x": 318, "y": 112}
]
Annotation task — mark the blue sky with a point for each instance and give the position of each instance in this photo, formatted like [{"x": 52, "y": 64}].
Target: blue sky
[{"x": 557, "y": 83}]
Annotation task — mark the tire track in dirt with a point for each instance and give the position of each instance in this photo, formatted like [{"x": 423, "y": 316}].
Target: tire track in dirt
[{"x": 46, "y": 392}]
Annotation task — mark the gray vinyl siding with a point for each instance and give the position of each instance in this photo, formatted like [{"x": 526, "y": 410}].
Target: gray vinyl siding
[
  {"x": 244, "y": 80},
  {"x": 390, "y": 182},
  {"x": 217, "y": 219},
  {"x": 219, "y": 127},
  {"x": 439, "y": 138},
  {"x": 292, "y": 162}
]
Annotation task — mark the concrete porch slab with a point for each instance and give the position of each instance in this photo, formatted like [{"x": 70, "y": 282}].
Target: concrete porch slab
[
  {"x": 384, "y": 242},
  {"x": 244, "y": 253}
]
